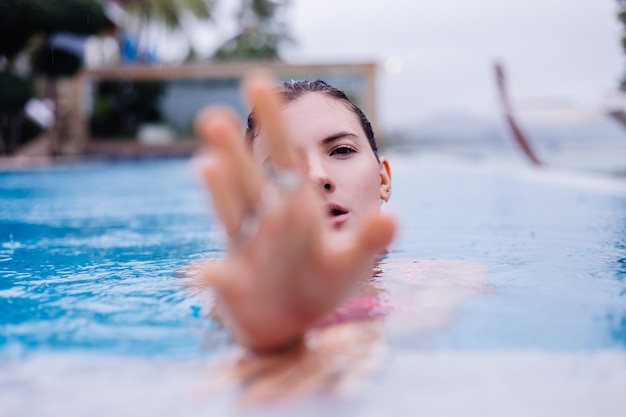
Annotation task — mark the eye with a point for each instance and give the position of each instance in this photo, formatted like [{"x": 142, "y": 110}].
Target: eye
[{"x": 342, "y": 151}]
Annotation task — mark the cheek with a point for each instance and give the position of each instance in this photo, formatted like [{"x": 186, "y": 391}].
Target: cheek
[
  {"x": 363, "y": 184},
  {"x": 258, "y": 151}
]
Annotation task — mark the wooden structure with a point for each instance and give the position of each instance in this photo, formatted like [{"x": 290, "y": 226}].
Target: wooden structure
[{"x": 84, "y": 143}]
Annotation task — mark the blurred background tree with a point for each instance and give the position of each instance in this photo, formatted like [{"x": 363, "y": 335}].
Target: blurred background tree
[
  {"x": 260, "y": 29},
  {"x": 28, "y": 28},
  {"x": 44, "y": 39},
  {"x": 261, "y": 32},
  {"x": 121, "y": 107},
  {"x": 150, "y": 15},
  {"x": 621, "y": 15},
  {"x": 169, "y": 12}
]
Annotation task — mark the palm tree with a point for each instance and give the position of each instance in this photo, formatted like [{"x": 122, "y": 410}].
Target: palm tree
[
  {"x": 148, "y": 15},
  {"x": 260, "y": 32},
  {"x": 168, "y": 12}
]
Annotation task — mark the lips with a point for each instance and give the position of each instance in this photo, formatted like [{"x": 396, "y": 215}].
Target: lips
[{"x": 337, "y": 214}]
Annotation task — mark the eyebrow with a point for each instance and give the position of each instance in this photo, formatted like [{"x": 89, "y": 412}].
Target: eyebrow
[{"x": 337, "y": 136}]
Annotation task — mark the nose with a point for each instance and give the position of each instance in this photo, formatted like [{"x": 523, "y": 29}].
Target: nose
[{"x": 319, "y": 175}]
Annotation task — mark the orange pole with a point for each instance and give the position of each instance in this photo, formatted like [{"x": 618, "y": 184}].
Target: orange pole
[{"x": 517, "y": 133}]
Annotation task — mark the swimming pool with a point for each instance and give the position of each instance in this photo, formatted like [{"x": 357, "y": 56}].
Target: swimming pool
[{"x": 94, "y": 320}]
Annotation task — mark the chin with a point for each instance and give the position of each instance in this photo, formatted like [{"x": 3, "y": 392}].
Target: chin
[{"x": 343, "y": 231}]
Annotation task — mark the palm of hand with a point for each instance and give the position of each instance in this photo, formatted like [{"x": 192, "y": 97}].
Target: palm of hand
[{"x": 288, "y": 274}]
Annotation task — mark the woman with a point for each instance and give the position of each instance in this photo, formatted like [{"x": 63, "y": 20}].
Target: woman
[
  {"x": 300, "y": 203},
  {"x": 301, "y": 211}
]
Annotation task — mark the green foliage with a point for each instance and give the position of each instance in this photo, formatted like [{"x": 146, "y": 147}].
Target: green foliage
[
  {"x": 169, "y": 12},
  {"x": 120, "y": 107},
  {"x": 249, "y": 45},
  {"x": 29, "y": 130},
  {"x": 55, "y": 63},
  {"x": 20, "y": 20},
  {"x": 14, "y": 128},
  {"x": 260, "y": 32},
  {"x": 14, "y": 92},
  {"x": 85, "y": 17},
  {"x": 264, "y": 9},
  {"x": 16, "y": 26},
  {"x": 621, "y": 15}
]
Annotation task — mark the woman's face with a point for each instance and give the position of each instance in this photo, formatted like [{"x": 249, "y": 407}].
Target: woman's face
[{"x": 341, "y": 164}]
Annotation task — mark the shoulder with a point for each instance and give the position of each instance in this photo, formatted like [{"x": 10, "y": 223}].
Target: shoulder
[{"x": 425, "y": 271}]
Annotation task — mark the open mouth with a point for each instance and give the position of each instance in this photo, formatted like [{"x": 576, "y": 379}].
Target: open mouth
[{"x": 337, "y": 214}]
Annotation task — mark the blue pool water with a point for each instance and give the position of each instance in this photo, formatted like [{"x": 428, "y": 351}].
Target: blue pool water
[{"x": 89, "y": 253}]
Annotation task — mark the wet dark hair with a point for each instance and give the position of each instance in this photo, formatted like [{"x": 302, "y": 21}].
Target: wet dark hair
[{"x": 294, "y": 89}]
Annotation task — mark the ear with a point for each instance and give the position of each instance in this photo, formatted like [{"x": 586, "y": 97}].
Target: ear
[{"x": 385, "y": 179}]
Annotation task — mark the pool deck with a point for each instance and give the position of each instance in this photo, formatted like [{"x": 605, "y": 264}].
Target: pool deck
[
  {"x": 438, "y": 384},
  {"x": 39, "y": 153}
]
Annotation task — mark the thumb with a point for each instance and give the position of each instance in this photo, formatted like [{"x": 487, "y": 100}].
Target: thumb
[{"x": 355, "y": 259}]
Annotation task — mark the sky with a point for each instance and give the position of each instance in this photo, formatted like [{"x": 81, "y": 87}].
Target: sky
[
  {"x": 436, "y": 56},
  {"x": 446, "y": 48}
]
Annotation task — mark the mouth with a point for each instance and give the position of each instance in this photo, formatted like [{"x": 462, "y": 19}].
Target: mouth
[{"x": 337, "y": 214}]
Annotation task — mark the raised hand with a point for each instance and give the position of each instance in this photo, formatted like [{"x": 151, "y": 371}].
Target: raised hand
[{"x": 286, "y": 268}]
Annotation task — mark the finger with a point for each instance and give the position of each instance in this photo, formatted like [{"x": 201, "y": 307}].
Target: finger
[
  {"x": 267, "y": 104},
  {"x": 376, "y": 234},
  {"x": 226, "y": 203},
  {"x": 220, "y": 128},
  {"x": 222, "y": 278},
  {"x": 372, "y": 239},
  {"x": 213, "y": 275}
]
